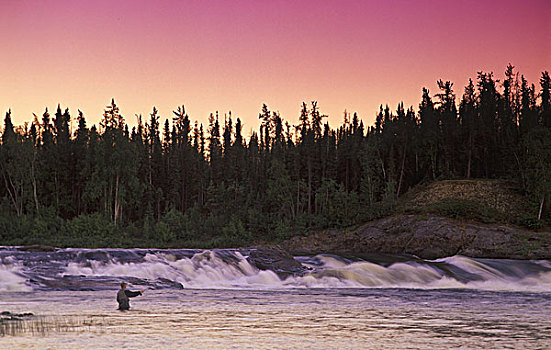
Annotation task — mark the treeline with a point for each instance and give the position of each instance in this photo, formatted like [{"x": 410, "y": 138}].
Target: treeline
[{"x": 181, "y": 182}]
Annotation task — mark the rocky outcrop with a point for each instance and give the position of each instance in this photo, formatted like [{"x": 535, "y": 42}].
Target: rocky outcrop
[
  {"x": 6, "y": 315},
  {"x": 427, "y": 237},
  {"x": 276, "y": 260}
]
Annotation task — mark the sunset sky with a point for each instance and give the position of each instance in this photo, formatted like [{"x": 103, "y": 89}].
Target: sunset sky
[{"x": 236, "y": 55}]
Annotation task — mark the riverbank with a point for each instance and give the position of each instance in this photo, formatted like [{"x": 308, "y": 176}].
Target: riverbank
[
  {"x": 474, "y": 218},
  {"x": 425, "y": 236},
  {"x": 477, "y": 218}
]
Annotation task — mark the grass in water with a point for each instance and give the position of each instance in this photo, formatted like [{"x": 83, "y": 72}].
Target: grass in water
[{"x": 42, "y": 325}]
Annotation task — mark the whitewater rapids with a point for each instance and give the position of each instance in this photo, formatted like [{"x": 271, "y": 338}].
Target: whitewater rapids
[{"x": 102, "y": 269}]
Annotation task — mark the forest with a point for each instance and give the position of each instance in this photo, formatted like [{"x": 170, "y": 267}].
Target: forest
[{"x": 182, "y": 183}]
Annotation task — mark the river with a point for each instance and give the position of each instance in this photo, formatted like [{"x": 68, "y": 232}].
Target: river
[{"x": 218, "y": 300}]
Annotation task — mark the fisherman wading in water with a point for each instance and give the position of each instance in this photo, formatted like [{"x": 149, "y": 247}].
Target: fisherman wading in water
[{"x": 123, "y": 297}]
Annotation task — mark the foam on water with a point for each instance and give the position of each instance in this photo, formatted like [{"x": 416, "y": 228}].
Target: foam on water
[
  {"x": 91, "y": 269},
  {"x": 337, "y": 274},
  {"x": 209, "y": 270},
  {"x": 204, "y": 270},
  {"x": 512, "y": 277},
  {"x": 11, "y": 281}
]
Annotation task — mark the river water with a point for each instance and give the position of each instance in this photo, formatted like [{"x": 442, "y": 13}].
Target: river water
[{"x": 218, "y": 300}]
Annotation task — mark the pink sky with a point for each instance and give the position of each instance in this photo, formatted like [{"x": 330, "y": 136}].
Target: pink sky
[{"x": 236, "y": 55}]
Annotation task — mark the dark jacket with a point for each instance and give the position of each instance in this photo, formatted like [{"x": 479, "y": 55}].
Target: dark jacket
[{"x": 123, "y": 298}]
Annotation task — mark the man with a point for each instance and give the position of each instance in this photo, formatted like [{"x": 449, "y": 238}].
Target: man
[{"x": 123, "y": 297}]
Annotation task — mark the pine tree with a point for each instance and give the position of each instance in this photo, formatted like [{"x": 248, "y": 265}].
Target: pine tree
[
  {"x": 447, "y": 114},
  {"x": 488, "y": 102},
  {"x": 16, "y": 157},
  {"x": 81, "y": 176},
  {"x": 545, "y": 94},
  {"x": 467, "y": 119},
  {"x": 430, "y": 134}
]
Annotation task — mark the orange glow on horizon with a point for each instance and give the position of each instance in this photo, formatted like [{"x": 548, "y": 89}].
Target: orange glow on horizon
[{"x": 222, "y": 56}]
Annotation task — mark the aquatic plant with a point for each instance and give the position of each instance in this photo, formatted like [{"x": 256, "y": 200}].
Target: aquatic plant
[{"x": 42, "y": 325}]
